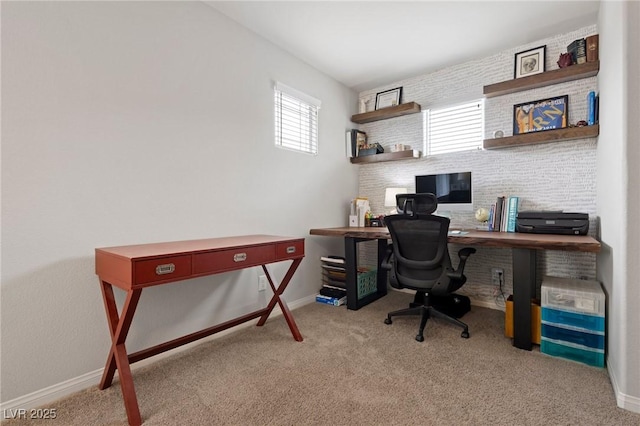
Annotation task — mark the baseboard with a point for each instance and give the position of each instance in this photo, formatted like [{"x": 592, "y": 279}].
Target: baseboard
[
  {"x": 487, "y": 304},
  {"x": 624, "y": 401},
  {"x": 63, "y": 389}
]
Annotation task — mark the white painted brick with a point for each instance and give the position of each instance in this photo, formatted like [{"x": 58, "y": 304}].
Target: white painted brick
[{"x": 554, "y": 176}]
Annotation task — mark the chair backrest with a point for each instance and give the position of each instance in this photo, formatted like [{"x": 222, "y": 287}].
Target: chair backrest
[
  {"x": 423, "y": 203},
  {"x": 420, "y": 252}
]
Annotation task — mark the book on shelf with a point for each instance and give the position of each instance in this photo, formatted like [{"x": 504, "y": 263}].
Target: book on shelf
[
  {"x": 578, "y": 50},
  {"x": 492, "y": 212},
  {"x": 591, "y": 108},
  {"x": 502, "y": 215},
  {"x": 333, "y": 268},
  {"x": 336, "y": 275},
  {"x": 331, "y": 300},
  {"x": 497, "y": 217},
  {"x": 512, "y": 213},
  {"x": 592, "y": 48},
  {"x": 333, "y": 259},
  {"x": 334, "y": 284},
  {"x": 334, "y": 292}
]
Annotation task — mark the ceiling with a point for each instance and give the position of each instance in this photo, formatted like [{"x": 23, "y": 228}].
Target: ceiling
[{"x": 367, "y": 44}]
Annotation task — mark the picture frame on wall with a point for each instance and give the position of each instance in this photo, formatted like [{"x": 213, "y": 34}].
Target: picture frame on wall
[
  {"x": 389, "y": 98},
  {"x": 544, "y": 114},
  {"x": 530, "y": 62}
]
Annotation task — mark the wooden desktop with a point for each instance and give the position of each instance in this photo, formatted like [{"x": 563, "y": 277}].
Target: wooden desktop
[
  {"x": 133, "y": 268},
  {"x": 524, "y": 256}
]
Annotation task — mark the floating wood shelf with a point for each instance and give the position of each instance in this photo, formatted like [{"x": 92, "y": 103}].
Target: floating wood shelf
[
  {"x": 385, "y": 113},
  {"x": 574, "y": 72},
  {"x": 389, "y": 156},
  {"x": 547, "y": 136}
]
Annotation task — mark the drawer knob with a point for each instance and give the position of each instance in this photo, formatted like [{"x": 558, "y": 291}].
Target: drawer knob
[
  {"x": 291, "y": 249},
  {"x": 167, "y": 268},
  {"x": 240, "y": 257}
]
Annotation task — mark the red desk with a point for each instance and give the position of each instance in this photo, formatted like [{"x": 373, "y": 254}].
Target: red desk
[{"x": 135, "y": 267}]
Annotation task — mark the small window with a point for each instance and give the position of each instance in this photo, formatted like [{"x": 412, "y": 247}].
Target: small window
[
  {"x": 296, "y": 119},
  {"x": 455, "y": 128}
]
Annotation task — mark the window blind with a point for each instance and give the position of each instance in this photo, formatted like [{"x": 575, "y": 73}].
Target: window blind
[
  {"x": 455, "y": 128},
  {"x": 296, "y": 119}
]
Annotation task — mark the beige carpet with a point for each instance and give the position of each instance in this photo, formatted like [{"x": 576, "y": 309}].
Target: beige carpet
[{"x": 353, "y": 369}]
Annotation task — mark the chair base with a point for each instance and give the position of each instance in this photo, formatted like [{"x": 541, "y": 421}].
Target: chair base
[{"x": 426, "y": 312}]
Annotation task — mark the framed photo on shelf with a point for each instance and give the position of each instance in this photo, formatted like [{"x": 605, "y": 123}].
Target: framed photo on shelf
[
  {"x": 545, "y": 114},
  {"x": 389, "y": 98},
  {"x": 530, "y": 62}
]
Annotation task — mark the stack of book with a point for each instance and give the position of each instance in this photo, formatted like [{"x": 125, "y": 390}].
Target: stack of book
[
  {"x": 334, "y": 289},
  {"x": 578, "y": 50},
  {"x": 503, "y": 213}
]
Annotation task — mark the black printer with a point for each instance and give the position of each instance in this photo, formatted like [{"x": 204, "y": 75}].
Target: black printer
[{"x": 552, "y": 222}]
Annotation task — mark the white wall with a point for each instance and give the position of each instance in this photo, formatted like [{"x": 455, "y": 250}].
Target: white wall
[
  {"x": 555, "y": 176},
  {"x": 618, "y": 199},
  {"x": 127, "y": 123}
]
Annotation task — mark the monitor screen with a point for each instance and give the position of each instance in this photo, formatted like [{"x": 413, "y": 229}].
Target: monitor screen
[{"x": 453, "y": 190}]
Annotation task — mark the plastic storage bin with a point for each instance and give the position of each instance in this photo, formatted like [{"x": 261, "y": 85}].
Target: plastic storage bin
[
  {"x": 569, "y": 294},
  {"x": 579, "y": 337},
  {"x": 573, "y": 320},
  {"x": 589, "y": 356}
]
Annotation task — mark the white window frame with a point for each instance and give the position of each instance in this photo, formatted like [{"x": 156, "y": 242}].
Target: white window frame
[
  {"x": 296, "y": 120},
  {"x": 458, "y": 136}
]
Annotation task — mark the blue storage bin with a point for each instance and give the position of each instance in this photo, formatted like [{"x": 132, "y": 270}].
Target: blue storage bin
[
  {"x": 584, "y": 321},
  {"x": 589, "y": 356},
  {"x": 591, "y": 340}
]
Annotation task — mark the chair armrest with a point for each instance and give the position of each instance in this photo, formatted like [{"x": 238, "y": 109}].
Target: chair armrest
[
  {"x": 463, "y": 254},
  {"x": 386, "y": 262}
]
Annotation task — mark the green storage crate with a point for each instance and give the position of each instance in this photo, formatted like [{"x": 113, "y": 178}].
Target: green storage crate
[{"x": 367, "y": 283}]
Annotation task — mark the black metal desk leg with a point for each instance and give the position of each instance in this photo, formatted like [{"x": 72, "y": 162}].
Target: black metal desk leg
[
  {"x": 382, "y": 273},
  {"x": 351, "y": 266},
  {"x": 524, "y": 289}
]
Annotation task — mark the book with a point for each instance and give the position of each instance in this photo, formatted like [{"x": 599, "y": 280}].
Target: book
[
  {"x": 591, "y": 108},
  {"x": 332, "y": 259},
  {"x": 351, "y": 149},
  {"x": 578, "y": 50},
  {"x": 331, "y": 300},
  {"x": 497, "y": 222},
  {"x": 492, "y": 212},
  {"x": 592, "y": 48},
  {"x": 336, "y": 293},
  {"x": 512, "y": 213},
  {"x": 499, "y": 216}
]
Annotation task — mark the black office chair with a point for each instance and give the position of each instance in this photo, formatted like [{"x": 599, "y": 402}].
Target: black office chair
[{"x": 418, "y": 258}]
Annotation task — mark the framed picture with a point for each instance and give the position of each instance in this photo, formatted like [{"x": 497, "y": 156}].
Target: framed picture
[
  {"x": 530, "y": 62},
  {"x": 545, "y": 114},
  {"x": 389, "y": 98}
]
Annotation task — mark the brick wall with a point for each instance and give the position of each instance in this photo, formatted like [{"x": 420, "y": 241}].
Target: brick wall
[{"x": 554, "y": 176}]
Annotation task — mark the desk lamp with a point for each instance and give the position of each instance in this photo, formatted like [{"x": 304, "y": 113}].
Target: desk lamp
[{"x": 390, "y": 198}]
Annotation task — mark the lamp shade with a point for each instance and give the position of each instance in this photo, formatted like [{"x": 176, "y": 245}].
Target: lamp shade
[{"x": 390, "y": 196}]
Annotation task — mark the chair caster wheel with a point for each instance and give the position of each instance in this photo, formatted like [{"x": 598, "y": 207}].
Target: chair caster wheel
[
  {"x": 387, "y": 321},
  {"x": 420, "y": 338},
  {"x": 465, "y": 334}
]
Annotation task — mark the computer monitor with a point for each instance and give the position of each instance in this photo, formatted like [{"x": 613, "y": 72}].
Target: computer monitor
[{"x": 453, "y": 190}]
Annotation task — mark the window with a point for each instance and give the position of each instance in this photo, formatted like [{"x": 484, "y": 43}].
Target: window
[
  {"x": 296, "y": 116},
  {"x": 455, "y": 128}
]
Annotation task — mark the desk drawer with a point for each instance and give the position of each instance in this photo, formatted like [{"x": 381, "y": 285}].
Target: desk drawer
[
  {"x": 290, "y": 249},
  {"x": 162, "y": 269},
  {"x": 229, "y": 260}
]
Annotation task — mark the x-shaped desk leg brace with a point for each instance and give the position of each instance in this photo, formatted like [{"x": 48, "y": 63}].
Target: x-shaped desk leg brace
[
  {"x": 119, "y": 327},
  {"x": 276, "y": 299}
]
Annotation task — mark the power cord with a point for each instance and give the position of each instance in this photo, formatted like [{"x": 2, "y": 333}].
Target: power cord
[{"x": 504, "y": 299}]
